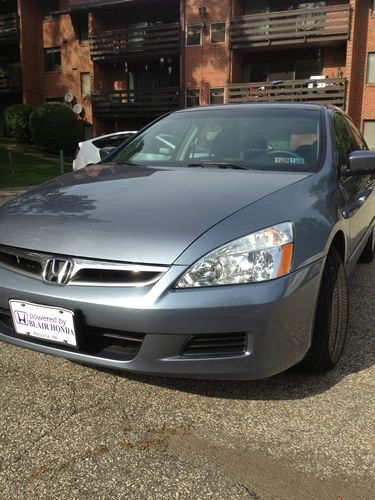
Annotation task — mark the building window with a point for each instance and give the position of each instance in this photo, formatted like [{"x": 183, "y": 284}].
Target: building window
[
  {"x": 50, "y": 6},
  {"x": 371, "y": 68},
  {"x": 217, "y": 96},
  {"x": 52, "y": 59},
  {"x": 83, "y": 29},
  {"x": 192, "y": 98},
  {"x": 218, "y": 32},
  {"x": 193, "y": 35},
  {"x": 85, "y": 84},
  {"x": 369, "y": 134}
]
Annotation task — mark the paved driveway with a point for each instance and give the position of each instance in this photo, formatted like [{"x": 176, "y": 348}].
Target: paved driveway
[{"x": 71, "y": 431}]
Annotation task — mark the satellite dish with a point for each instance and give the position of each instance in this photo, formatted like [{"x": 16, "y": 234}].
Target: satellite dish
[
  {"x": 77, "y": 108},
  {"x": 69, "y": 97}
]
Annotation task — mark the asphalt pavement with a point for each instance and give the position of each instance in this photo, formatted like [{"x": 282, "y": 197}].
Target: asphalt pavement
[{"x": 72, "y": 431}]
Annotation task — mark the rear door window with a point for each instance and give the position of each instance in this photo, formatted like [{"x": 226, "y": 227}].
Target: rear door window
[{"x": 111, "y": 142}]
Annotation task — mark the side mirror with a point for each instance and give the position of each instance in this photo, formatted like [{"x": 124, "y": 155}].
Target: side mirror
[{"x": 361, "y": 163}]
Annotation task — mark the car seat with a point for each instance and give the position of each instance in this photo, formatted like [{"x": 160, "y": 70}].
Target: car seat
[
  {"x": 308, "y": 152},
  {"x": 225, "y": 146},
  {"x": 254, "y": 146}
]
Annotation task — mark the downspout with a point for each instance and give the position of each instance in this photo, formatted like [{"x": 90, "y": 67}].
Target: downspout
[
  {"x": 182, "y": 53},
  {"x": 230, "y": 55}
]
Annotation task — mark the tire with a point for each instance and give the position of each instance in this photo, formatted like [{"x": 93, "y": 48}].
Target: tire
[
  {"x": 367, "y": 255},
  {"x": 331, "y": 319}
]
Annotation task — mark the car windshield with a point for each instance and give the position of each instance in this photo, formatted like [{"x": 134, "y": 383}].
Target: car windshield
[{"x": 255, "y": 138}]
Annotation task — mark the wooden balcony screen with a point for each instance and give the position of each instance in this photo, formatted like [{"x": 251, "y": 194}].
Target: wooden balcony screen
[
  {"x": 320, "y": 25},
  {"x": 10, "y": 80},
  {"x": 160, "y": 39},
  {"x": 140, "y": 102},
  {"x": 8, "y": 27},
  {"x": 328, "y": 91}
]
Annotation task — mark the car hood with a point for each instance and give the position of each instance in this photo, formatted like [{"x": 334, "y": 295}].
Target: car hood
[{"x": 131, "y": 214}]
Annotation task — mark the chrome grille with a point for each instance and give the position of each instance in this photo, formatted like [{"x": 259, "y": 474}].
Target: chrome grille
[{"x": 83, "y": 272}]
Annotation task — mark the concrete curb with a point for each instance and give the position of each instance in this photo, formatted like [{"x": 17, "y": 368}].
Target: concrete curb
[{"x": 4, "y": 193}]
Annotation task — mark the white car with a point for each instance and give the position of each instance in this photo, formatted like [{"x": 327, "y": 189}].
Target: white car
[{"x": 95, "y": 150}]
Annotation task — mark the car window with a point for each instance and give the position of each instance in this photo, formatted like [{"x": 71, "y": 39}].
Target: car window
[
  {"x": 344, "y": 140},
  {"x": 111, "y": 142},
  {"x": 267, "y": 138}
]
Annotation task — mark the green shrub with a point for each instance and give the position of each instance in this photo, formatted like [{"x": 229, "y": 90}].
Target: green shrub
[
  {"x": 17, "y": 118},
  {"x": 54, "y": 126}
]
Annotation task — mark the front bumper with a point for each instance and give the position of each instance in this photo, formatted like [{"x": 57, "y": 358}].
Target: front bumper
[{"x": 276, "y": 318}]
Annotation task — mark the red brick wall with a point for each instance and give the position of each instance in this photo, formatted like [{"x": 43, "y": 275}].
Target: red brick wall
[
  {"x": 368, "y": 104},
  {"x": 354, "y": 62},
  {"x": 75, "y": 59},
  {"x": 206, "y": 66},
  {"x": 361, "y": 98}
]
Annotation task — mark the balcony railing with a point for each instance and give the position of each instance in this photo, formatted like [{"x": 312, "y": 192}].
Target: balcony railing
[
  {"x": 320, "y": 25},
  {"x": 10, "y": 80},
  {"x": 160, "y": 39},
  {"x": 327, "y": 91},
  {"x": 140, "y": 102},
  {"x": 8, "y": 27}
]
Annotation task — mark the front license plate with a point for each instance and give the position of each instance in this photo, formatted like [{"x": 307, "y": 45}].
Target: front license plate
[{"x": 51, "y": 324}]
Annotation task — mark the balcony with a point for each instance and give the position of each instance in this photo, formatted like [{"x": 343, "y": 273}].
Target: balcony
[
  {"x": 133, "y": 103},
  {"x": 294, "y": 28},
  {"x": 327, "y": 91},
  {"x": 10, "y": 80},
  {"x": 8, "y": 27},
  {"x": 157, "y": 40}
]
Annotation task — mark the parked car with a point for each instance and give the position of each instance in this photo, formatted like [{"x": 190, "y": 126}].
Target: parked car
[
  {"x": 220, "y": 251},
  {"x": 95, "y": 150}
]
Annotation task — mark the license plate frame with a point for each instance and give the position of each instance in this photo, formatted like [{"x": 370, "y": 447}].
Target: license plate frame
[{"x": 44, "y": 323}]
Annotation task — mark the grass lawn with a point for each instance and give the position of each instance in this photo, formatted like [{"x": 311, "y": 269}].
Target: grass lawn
[
  {"x": 8, "y": 143},
  {"x": 28, "y": 170}
]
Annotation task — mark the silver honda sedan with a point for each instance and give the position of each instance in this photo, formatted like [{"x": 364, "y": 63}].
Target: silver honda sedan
[{"x": 215, "y": 244}]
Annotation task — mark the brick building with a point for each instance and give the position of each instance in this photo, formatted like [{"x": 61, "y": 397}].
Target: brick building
[{"x": 125, "y": 62}]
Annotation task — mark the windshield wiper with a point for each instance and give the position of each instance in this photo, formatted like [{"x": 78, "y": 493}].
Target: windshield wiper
[{"x": 219, "y": 164}]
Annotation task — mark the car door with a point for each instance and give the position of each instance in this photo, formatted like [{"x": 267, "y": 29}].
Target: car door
[{"x": 356, "y": 189}]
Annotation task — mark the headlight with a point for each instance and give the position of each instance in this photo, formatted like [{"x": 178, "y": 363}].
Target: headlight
[{"x": 260, "y": 256}]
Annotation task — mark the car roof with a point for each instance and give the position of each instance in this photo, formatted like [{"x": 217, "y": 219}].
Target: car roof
[
  {"x": 113, "y": 134},
  {"x": 283, "y": 105}
]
